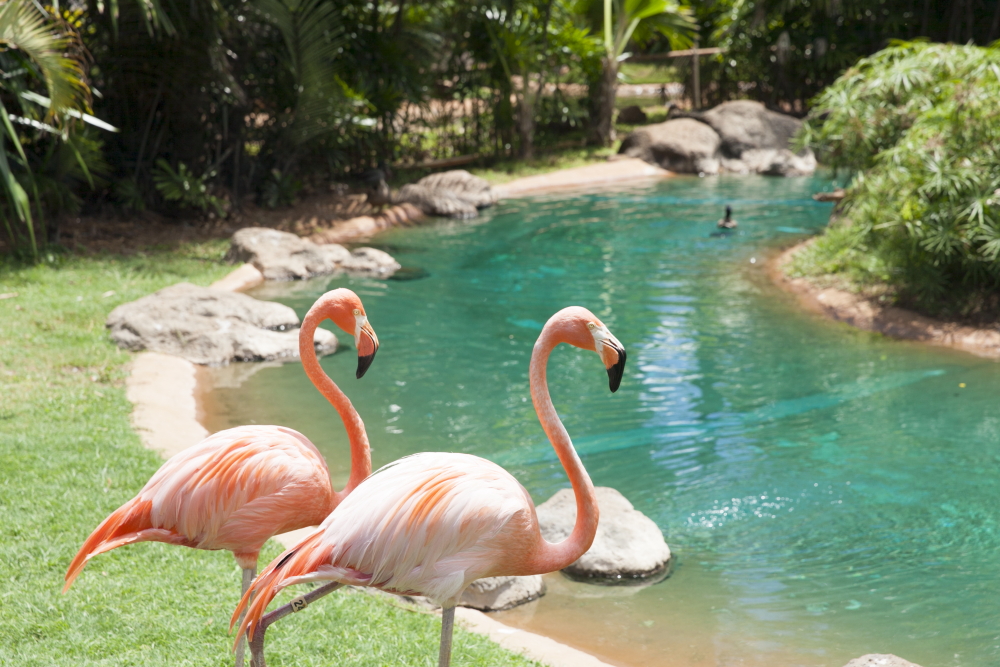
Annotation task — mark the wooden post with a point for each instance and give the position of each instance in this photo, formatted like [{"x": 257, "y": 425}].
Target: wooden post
[{"x": 696, "y": 99}]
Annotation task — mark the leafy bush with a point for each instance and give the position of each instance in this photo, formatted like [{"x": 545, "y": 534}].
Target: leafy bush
[
  {"x": 920, "y": 123},
  {"x": 183, "y": 187}
]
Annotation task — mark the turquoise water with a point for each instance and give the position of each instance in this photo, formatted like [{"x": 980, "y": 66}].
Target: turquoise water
[{"x": 827, "y": 492}]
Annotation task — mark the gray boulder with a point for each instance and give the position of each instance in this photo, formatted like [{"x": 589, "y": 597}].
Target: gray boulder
[
  {"x": 772, "y": 162},
  {"x": 741, "y": 136},
  {"x": 370, "y": 262},
  {"x": 880, "y": 660},
  {"x": 745, "y": 125},
  {"x": 452, "y": 194},
  {"x": 211, "y": 327},
  {"x": 283, "y": 256},
  {"x": 628, "y": 548},
  {"x": 499, "y": 593},
  {"x": 682, "y": 145},
  {"x": 633, "y": 115}
]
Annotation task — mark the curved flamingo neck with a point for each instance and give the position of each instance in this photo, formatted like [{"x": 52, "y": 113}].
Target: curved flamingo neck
[
  {"x": 361, "y": 460},
  {"x": 549, "y": 557}
]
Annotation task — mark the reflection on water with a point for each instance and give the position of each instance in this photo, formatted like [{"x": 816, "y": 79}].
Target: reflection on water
[{"x": 826, "y": 492}]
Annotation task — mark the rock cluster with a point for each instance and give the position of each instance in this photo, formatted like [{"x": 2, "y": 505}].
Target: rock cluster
[
  {"x": 283, "y": 256},
  {"x": 211, "y": 327},
  {"x": 740, "y": 136},
  {"x": 452, "y": 194},
  {"x": 629, "y": 547},
  {"x": 880, "y": 660}
]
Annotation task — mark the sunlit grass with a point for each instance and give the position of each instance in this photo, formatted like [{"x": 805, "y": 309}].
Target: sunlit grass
[{"x": 68, "y": 457}]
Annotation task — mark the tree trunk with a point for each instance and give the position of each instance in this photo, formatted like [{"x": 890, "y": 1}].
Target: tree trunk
[
  {"x": 602, "y": 113},
  {"x": 526, "y": 120}
]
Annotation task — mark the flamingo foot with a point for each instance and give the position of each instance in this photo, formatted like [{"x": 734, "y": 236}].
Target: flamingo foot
[
  {"x": 248, "y": 575},
  {"x": 297, "y": 604},
  {"x": 447, "y": 627}
]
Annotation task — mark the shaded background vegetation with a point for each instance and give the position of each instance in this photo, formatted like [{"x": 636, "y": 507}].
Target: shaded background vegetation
[{"x": 221, "y": 102}]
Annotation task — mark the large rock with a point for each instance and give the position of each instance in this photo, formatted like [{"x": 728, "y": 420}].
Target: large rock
[
  {"x": 211, "y": 327},
  {"x": 453, "y": 194},
  {"x": 370, "y": 262},
  {"x": 628, "y": 548},
  {"x": 741, "y": 136},
  {"x": 880, "y": 660},
  {"x": 283, "y": 256},
  {"x": 633, "y": 115},
  {"x": 746, "y": 125},
  {"x": 683, "y": 145},
  {"x": 772, "y": 162},
  {"x": 499, "y": 593}
]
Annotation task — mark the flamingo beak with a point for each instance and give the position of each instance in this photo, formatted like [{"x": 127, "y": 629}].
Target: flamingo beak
[
  {"x": 613, "y": 355},
  {"x": 367, "y": 343}
]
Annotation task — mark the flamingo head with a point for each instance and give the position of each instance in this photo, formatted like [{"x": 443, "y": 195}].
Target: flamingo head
[
  {"x": 581, "y": 328},
  {"x": 344, "y": 307}
]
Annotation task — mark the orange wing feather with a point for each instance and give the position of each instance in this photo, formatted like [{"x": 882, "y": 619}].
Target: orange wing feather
[{"x": 232, "y": 491}]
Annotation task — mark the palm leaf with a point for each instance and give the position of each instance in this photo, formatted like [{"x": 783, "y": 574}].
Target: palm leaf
[{"x": 25, "y": 28}]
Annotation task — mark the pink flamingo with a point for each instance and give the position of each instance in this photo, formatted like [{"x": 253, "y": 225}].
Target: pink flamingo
[
  {"x": 432, "y": 523},
  {"x": 238, "y": 488}
]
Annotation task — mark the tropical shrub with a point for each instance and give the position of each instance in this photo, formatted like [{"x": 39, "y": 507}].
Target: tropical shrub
[
  {"x": 45, "y": 154},
  {"x": 183, "y": 187},
  {"x": 920, "y": 125}
]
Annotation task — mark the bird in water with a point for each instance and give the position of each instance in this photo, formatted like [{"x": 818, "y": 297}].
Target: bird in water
[
  {"x": 432, "y": 523},
  {"x": 239, "y": 487},
  {"x": 727, "y": 222}
]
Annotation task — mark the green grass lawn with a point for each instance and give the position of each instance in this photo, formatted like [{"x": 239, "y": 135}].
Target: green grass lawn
[{"x": 68, "y": 457}]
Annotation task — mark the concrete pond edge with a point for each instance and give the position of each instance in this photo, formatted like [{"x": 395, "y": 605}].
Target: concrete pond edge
[{"x": 862, "y": 313}]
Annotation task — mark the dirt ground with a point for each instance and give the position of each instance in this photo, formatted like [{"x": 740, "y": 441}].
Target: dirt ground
[{"x": 115, "y": 233}]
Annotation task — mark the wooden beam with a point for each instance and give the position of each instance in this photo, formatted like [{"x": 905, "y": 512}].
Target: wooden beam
[{"x": 708, "y": 51}]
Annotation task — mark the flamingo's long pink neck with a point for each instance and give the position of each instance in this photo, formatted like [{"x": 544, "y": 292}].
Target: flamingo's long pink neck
[
  {"x": 361, "y": 460},
  {"x": 550, "y": 557}
]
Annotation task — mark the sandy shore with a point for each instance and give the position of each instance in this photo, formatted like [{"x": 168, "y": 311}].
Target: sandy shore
[{"x": 862, "y": 313}]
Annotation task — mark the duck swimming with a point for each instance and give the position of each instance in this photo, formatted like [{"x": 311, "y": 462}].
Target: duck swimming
[{"x": 727, "y": 222}]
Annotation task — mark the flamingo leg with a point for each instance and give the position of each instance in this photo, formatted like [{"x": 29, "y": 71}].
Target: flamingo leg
[
  {"x": 248, "y": 575},
  {"x": 297, "y": 604},
  {"x": 447, "y": 626}
]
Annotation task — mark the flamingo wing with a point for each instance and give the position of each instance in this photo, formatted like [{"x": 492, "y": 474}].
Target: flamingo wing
[
  {"x": 427, "y": 524},
  {"x": 233, "y": 490}
]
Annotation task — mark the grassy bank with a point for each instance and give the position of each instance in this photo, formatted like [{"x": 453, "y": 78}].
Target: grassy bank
[
  {"x": 68, "y": 457},
  {"x": 835, "y": 259}
]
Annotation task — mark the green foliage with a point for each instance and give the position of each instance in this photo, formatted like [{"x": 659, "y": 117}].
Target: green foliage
[
  {"x": 69, "y": 456},
  {"x": 787, "y": 51},
  {"x": 280, "y": 189},
  {"x": 40, "y": 51},
  {"x": 183, "y": 187},
  {"x": 920, "y": 123}
]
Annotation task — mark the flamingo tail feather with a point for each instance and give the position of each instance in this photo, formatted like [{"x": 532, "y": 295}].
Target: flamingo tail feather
[{"x": 128, "y": 524}]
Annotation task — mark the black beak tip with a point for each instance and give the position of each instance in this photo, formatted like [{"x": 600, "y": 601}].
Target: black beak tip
[
  {"x": 616, "y": 371},
  {"x": 364, "y": 362}
]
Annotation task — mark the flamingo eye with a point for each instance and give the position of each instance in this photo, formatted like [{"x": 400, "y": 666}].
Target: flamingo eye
[
  {"x": 591, "y": 326},
  {"x": 357, "y": 311}
]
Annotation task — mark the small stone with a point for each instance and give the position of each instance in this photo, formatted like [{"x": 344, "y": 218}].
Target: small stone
[
  {"x": 499, "y": 593},
  {"x": 880, "y": 660},
  {"x": 628, "y": 548}
]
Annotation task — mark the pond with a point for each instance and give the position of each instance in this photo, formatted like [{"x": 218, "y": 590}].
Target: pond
[{"x": 826, "y": 492}]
